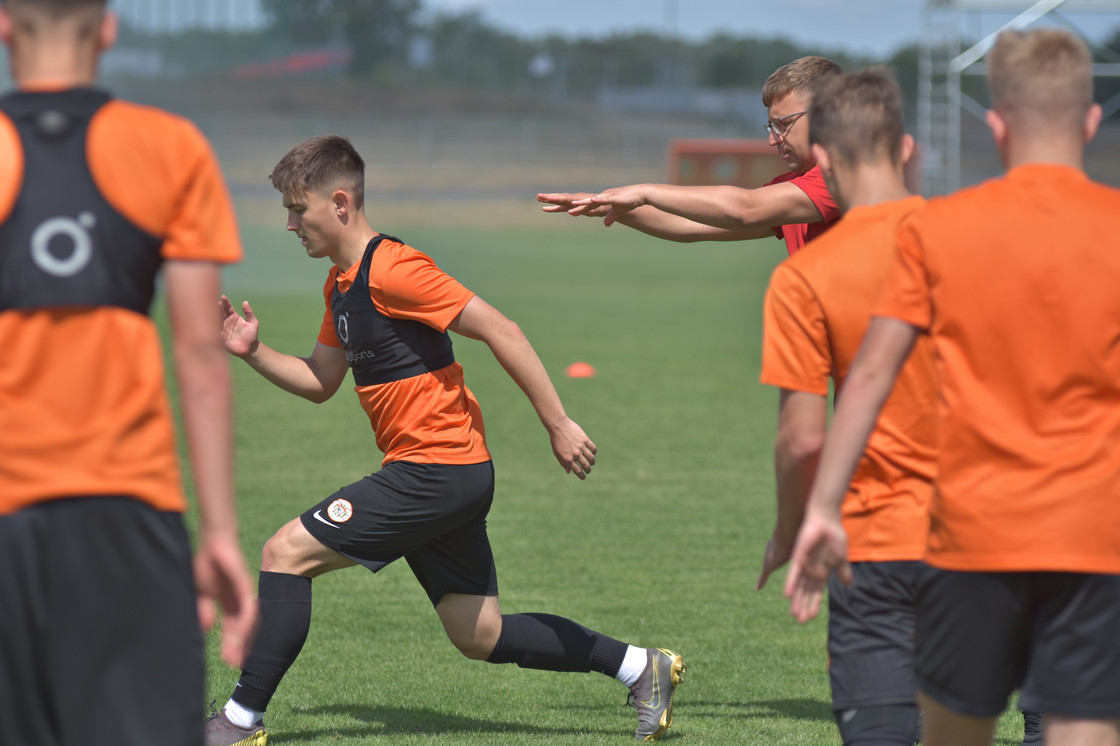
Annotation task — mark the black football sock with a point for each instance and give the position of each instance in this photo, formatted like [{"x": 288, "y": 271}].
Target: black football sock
[
  {"x": 285, "y": 616},
  {"x": 553, "y": 643}
]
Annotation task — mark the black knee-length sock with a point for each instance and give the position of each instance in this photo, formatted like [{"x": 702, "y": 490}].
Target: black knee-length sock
[
  {"x": 285, "y": 616},
  {"x": 553, "y": 643}
]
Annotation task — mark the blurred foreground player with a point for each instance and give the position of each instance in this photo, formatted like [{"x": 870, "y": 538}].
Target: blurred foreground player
[
  {"x": 1015, "y": 283},
  {"x": 100, "y": 639},
  {"x": 388, "y": 312}
]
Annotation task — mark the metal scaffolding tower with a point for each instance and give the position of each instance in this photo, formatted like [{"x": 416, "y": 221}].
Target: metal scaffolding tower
[{"x": 942, "y": 63}]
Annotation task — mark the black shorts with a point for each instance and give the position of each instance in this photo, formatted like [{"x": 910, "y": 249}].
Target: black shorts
[
  {"x": 871, "y": 634},
  {"x": 433, "y": 515},
  {"x": 1056, "y": 636},
  {"x": 99, "y": 635}
]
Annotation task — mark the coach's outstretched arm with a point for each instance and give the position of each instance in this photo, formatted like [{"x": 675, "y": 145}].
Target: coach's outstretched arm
[
  {"x": 315, "y": 378},
  {"x": 752, "y": 212},
  {"x": 571, "y": 446}
]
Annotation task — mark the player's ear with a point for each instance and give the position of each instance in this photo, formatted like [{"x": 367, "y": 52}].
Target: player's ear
[
  {"x": 340, "y": 198},
  {"x": 5, "y": 26},
  {"x": 1092, "y": 121},
  {"x": 906, "y": 149},
  {"x": 820, "y": 155},
  {"x": 998, "y": 125},
  {"x": 107, "y": 32}
]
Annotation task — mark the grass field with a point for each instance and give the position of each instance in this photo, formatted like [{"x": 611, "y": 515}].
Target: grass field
[{"x": 661, "y": 546}]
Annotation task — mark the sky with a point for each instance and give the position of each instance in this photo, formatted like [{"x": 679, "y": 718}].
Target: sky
[{"x": 870, "y": 27}]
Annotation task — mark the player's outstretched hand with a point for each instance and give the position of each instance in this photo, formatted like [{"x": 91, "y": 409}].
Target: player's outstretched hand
[
  {"x": 776, "y": 556},
  {"x": 821, "y": 547},
  {"x": 239, "y": 334},
  {"x": 562, "y": 202},
  {"x": 573, "y": 449},
  {"x": 619, "y": 201},
  {"x": 221, "y": 576}
]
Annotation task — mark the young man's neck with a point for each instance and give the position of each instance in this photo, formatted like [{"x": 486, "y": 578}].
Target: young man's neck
[
  {"x": 869, "y": 184},
  {"x": 353, "y": 246}
]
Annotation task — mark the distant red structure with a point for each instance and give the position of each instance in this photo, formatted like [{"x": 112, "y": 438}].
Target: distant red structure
[
  {"x": 739, "y": 162},
  {"x": 298, "y": 63}
]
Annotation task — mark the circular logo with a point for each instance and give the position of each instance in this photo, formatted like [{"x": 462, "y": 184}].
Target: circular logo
[
  {"x": 343, "y": 329},
  {"x": 81, "y": 248},
  {"x": 340, "y": 510}
]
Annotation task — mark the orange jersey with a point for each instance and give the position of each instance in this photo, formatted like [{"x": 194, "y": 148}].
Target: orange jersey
[
  {"x": 430, "y": 417},
  {"x": 817, "y": 309},
  {"x": 83, "y": 406},
  {"x": 1016, "y": 283},
  {"x": 813, "y": 184}
]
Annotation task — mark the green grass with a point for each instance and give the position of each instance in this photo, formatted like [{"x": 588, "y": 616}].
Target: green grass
[{"x": 660, "y": 546}]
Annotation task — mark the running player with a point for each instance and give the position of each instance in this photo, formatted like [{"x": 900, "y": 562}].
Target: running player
[
  {"x": 100, "y": 641},
  {"x": 795, "y": 206},
  {"x": 388, "y": 313},
  {"x": 1015, "y": 283}
]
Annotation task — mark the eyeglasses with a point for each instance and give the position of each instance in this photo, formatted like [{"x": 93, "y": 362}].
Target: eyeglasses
[{"x": 780, "y": 126}]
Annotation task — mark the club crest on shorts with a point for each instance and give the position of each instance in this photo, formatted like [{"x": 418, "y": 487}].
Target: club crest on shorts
[{"x": 340, "y": 511}]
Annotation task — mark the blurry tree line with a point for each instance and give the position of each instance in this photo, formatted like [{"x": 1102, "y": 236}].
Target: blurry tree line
[{"x": 395, "y": 42}]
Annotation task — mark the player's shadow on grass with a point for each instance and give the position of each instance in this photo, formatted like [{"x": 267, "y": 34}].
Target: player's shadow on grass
[
  {"x": 794, "y": 709},
  {"x": 374, "y": 721}
]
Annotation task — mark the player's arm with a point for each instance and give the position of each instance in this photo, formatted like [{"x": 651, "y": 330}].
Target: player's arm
[
  {"x": 202, "y": 369},
  {"x": 315, "y": 378},
  {"x": 728, "y": 207},
  {"x": 802, "y": 423},
  {"x": 821, "y": 544},
  {"x": 648, "y": 220},
  {"x": 571, "y": 446}
]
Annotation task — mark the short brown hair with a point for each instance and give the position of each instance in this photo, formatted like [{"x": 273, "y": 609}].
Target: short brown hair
[
  {"x": 857, "y": 116},
  {"x": 1042, "y": 75},
  {"x": 323, "y": 163},
  {"x": 799, "y": 76}
]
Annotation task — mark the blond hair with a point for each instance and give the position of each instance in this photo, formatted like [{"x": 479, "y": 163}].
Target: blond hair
[
  {"x": 1041, "y": 75},
  {"x": 799, "y": 76}
]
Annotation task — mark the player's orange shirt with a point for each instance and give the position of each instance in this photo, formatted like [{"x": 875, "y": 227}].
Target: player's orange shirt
[
  {"x": 431, "y": 418},
  {"x": 811, "y": 182},
  {"x": 83, "y": 406},
  {"x": 1017, "y": 282},
  {"x": 817, "y": 309}
]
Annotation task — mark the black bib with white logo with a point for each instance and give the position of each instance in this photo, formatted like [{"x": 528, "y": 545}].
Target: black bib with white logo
[
  {"x": 382, "y": 349},
  {"x": 63, "y": 245}
]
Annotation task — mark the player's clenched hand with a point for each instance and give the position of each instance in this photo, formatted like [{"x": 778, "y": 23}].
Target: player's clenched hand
[
  {"x": 573, "y": 449},
  {"x": 563, "y": 202},
  {"x": 220, "y": 575},
  {"x": 821, "y": 547},
  {"x": 239, "y": 334}
]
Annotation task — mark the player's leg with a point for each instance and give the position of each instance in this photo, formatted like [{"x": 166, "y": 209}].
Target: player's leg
[
  {"x": 457, "y": 571},
  {"x": 871, "y": 629},
  {"x": 1074, "y": 673},
  {"x": 943, "y": 727},
  {"x": 1061, "y": 731},
  {"x": 972, "y": 649}
]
